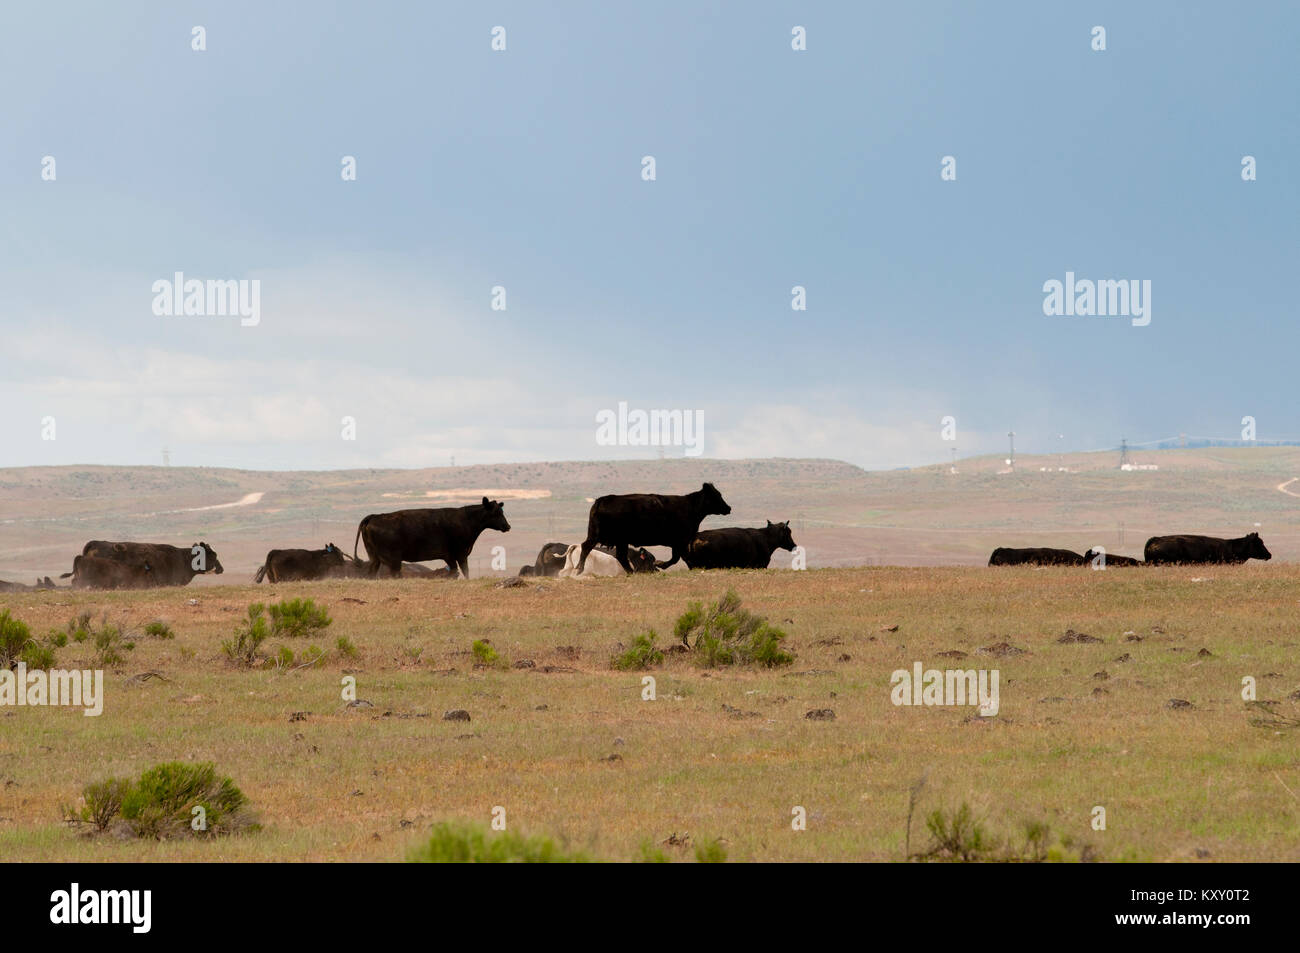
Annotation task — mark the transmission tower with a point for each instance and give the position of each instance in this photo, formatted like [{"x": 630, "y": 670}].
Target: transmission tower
[{"x": 1123, "y": 452}]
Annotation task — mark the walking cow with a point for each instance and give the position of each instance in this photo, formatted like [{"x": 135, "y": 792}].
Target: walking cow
[
  {"x": 1205, "y": 549},
  {"x": 650, "y": 519},
  {"x": 446, "y": 533}
]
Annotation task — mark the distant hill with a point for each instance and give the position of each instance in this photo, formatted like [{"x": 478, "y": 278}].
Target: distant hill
[{"x": 841, "y": 514}]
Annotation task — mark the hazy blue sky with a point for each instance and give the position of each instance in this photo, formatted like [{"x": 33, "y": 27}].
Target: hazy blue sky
[{"x": 522, "y": 168}]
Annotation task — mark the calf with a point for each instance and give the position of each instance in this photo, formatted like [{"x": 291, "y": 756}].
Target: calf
[
  {"x": 169, "y": 565},
  {"x": 294, "y": 565},
  {"x": 1205, "y": 549},
  {"x": 446, "y": 533},
  {"x": 650, "y": 519},
  {"x": 1004, "y": 556},
  {"x": 738, "y": 548},
  {"x": 96, "y": 572}
]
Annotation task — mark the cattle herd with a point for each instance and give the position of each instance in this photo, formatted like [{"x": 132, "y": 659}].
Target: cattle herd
[
  {"x": 1158, "y": 550},
  {"x": 618, "y": 529}
]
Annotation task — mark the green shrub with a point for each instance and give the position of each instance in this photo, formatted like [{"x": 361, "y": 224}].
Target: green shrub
[
  {"x": 159, "y": 630},
  {"x": 956, "y": 837},
  {"x": 485, "y": 655},
  {"x": 243, "y": 649},
  {"x": 17, "y": 645},
  {"x": 102, "y": 802},
  {"x": 642, "y": 654},
  {"x": 727, "y": 634},
  {"x": 111, "y": 645},
  {"x": 710, "y": 852},
  {"x": 294, "y": 618},
  {"x": 161, "y": 804},
  {"x": 14, "y": 637},
  {"x": 452, "y": 843},
  {"x": 345, "y": 647}
]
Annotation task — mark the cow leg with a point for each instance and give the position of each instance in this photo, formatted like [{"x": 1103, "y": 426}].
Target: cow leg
[
  {"x": 620, "y": 551},
  {"x": 587, "y": 546},
  {"x": 464, "y": 566},
  {"x": 373, "y": 569},
  {"x": 396, "y": 569},
  {"x": 677, "y": 554}
]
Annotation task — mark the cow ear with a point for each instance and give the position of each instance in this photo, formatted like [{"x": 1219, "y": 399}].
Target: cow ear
[{"x": 485, "y": 501}]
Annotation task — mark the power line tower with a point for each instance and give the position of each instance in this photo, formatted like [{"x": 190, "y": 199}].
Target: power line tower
[{"x": 1123, "y": 453}]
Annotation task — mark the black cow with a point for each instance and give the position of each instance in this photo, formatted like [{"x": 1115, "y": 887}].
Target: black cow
[
  {"x": 738, "y": 548},
  {"x": 650, "y": 519},
  {"x": 446, "y": 533},
  {"x": 1205, "y": 549},
  {"x": 550, "y": 560},
  {"x": 170, "y": 565},
  {"x": 1004, "y": 556},
  {"x": 293, "y": 565},
  {"x": 1111, "y": 559},
  {"x": 96, "y": 572}
]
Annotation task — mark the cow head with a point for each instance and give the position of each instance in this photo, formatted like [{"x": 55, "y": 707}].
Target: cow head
[
  {"x": 780, "y": 534},
  {"x": 1255, "y": 548},
  {"x": 640, "y": 559},
  {"x": 495, "y": 515},
  {"x": 210, "y": 561},
  {"x": 714, "y": 504}
]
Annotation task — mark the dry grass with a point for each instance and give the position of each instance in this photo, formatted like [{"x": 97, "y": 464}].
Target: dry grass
[{"x": 367, "y": 783}]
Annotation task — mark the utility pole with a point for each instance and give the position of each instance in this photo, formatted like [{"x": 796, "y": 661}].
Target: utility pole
[
  {"x": 1123, "y": 452},
  {"x": 1011, "y": 460}
]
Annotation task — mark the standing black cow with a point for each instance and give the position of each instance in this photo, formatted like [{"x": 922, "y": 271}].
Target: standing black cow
[
  {"x": 292, "y": 565},
  {"x": 1005, "y": 556},
  {"x": 169, "y": 565},
  {"x": 446, "y": 533},
  {"x": 738, "y": 548},
  {"x": 1205, "y": 549},
  {"x": 650, "y": 519}
]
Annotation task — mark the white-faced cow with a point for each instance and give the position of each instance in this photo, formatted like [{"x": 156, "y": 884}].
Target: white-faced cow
[
  {"x": 650, "y": 519},
  {"x": 1205, "y": 549},
  {"x": 295, "y": 565},
  {"x": 739, "y": 547},
  {"x": 446, "y": 533},
  {"x": 169, "y": 565}
]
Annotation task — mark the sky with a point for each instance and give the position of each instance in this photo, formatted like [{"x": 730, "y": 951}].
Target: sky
[{"x": 377, "y": 343}]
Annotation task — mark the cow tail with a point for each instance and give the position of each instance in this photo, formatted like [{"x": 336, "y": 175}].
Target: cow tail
[
  {"x": 65, "y": 575},
  {"x": 261, "y": 573},
  {"x": 360, "y": 527}
]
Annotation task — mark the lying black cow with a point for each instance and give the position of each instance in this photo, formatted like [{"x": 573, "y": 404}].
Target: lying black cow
[
  {"x": 446, "y": 533},
  {"x": 45, "y": 583},
  {"x": 1205, "y": 549},
  {"x": 295, "y": 565},
  {"x": 1111, "y": 559},
  {"x": 96, "y": 572},
  {"x": 738, "y": 548},
  {"x": 550, "y": 560},
  {"x": 1004, "y": 556},
  {"x": 169, "y": 565},
  {"x": 650, "y": 519}
]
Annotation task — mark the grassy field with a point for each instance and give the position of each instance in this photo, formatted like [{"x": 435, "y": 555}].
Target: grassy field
[{"x": 721, "y": 753}]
